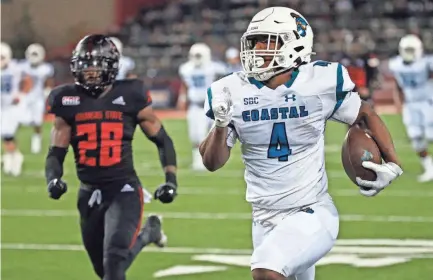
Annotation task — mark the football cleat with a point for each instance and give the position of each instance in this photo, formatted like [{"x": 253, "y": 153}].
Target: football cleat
[{"x": 152, "y": 228}]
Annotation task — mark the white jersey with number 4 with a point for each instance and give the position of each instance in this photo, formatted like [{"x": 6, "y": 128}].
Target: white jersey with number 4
[
  {"x": 413, "y": 78},
  {"x": 199, "y": 78},
  {"x": 282, "y": 131}
]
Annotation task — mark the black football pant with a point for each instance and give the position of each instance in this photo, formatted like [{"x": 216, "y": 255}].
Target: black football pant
[{"x": 110, "y": 224}]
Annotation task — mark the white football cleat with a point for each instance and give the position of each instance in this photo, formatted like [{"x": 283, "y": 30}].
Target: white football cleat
[{"x": 427, "y": 176}]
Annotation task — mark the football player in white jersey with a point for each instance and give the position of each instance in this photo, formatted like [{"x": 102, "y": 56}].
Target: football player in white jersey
[
  {"x": 197, "y": 74},
  {"x": 40, "y": 74},
  {"x": 233, "y": 60},
  {"x": 411, "y": 70},
  {"x": 126, "y": 64},
  {"x": 10, "y": 111},
  {"x": 277, "y": 108}
]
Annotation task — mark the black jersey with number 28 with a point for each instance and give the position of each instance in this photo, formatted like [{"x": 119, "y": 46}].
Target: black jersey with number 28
[{"x": 102, "y": 128}]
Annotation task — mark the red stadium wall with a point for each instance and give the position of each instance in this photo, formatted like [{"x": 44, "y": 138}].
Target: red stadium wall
[{"x": 55, "y": 22}]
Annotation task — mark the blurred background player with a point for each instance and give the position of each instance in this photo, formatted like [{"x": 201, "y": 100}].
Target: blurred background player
[
  {"x": 126, "y": 64},
  {"x": 412, "y": 72},
  {"x": 196, "y": 75},
  {"x": 10, "y": 111},
  {"x": 233, "y": 61},
  {"x": 39, "y": 77}
]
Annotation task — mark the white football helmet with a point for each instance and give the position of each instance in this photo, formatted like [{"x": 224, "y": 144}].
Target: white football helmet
[
  {"x": 410, "y": 48},
  {"x": 232, "y": 53},
  {"x": 291, "y": 32},
  {"x": 118, "y": 44},
  {"x": 200, "y": 54},
  {"x": 6, "y": 54},
  {"x": 35, "y": 54}
]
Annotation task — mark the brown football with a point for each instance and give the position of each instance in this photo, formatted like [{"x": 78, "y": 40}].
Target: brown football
[{"x": 359, "y": 146}]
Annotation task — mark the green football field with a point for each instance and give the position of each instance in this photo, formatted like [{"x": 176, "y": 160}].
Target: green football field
[{"x": 208, "y": 226}]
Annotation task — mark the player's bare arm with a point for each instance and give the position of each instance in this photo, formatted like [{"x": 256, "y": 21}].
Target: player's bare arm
[
  {"x": 399, "y": 96},
  {"x": 155, "y": 132},
  {"x": 378, "y": 131},
  {"x": 214, "y": 149},
  {"x": 49, "y": 82},
  {"x": 182, "y": 103},
  {"x": 388, "y": 171},
  {"x": 60, "y": 139}
]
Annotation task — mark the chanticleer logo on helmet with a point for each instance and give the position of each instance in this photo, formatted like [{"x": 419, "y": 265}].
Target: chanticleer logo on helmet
[{"x": 301, "y": 23}]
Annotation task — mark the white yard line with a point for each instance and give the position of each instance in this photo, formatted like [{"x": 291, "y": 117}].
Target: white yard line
[
  {"x": 238, "y": 190},
  {"x": 156, "y": 172},
  {"x": 178, "y": 250},
  {"x": 217, "y": 216},
  {"x": 353, "y": 246}
]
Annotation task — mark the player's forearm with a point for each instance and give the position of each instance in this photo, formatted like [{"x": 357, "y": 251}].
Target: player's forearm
[
  {"x": 381, "y": 135},
  {"x": 54, "y": 163},
  {"x": 167, "y": 154},
  {"x": 214, "y": 149}
]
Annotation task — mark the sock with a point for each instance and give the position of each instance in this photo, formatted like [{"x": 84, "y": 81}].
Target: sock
[
  {"x": 36, "y": 143},
  {"x": 195, "y": 156},
  {"x": 17, "y": 162},
  {"x": 7, "y": 162}
]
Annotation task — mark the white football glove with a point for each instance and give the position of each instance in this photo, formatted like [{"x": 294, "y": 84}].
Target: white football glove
[
  {"x": 222, "y": 108},
  {"x": 386, "y": 173}
]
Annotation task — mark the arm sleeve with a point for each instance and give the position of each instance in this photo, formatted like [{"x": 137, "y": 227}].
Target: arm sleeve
[{"x": 343, "y": 105}]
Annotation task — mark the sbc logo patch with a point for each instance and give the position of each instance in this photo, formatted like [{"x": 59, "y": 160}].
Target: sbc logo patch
[{"x": 70, "y": 100}]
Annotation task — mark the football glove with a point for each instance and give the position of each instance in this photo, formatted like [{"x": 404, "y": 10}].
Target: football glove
[
  {"x": 222, "y": 108},
  {"x": 166, "y": 192},
  {"x": 386, "y": 173},
  {"x": 57, "y": 188}
]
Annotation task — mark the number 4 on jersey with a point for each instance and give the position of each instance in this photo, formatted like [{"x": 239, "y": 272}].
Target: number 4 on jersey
[{"x": 279, "y": 145}]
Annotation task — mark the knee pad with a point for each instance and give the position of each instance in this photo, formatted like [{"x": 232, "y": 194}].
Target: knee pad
[{"x": 419, "y": 144}]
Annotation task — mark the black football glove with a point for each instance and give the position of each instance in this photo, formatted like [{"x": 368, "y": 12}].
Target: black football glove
[
  {"x": 57, "y": 188},
  {"x": 166, "y": 192}
]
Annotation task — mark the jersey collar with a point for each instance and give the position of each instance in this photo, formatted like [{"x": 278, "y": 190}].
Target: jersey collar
[{"x": 288, "y": 84}]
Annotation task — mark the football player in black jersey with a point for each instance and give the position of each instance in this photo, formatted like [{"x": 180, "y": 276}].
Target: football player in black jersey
[{"x": 97, "y": 117}]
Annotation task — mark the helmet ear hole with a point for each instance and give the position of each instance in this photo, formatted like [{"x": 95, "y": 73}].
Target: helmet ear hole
[{"x": 298, "y": 49}]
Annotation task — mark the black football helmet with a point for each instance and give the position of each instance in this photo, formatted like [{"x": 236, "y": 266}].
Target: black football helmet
[{"x": 95, "y": 63}]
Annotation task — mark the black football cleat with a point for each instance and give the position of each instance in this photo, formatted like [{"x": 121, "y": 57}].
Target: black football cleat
[{"x": 153, "y": 231}]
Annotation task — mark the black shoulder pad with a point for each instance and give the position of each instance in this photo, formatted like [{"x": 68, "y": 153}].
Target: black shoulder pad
[
  {"x": 60, "y": 96},
  {"x": 142, "y": 96}
]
